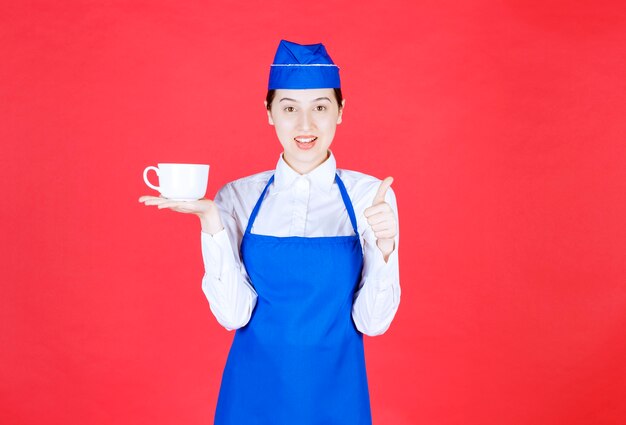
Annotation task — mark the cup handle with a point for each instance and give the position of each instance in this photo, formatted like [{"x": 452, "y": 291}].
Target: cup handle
[{"x": 145, "y": 177}]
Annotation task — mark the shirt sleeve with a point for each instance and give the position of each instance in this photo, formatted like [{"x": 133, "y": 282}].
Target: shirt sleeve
[
  {"x": 377, "y": 298},
  {"x": 226, "y": 284}
]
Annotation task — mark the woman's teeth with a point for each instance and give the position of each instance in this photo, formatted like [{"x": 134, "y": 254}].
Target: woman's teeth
[{"x": 304, "y": 139}]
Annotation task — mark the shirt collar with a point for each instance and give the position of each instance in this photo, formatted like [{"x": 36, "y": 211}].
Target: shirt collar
[{"x": 323, "y": 176}]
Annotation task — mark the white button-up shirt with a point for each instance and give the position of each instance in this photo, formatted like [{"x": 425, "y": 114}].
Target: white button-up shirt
[{"x": 307, "y": 205}]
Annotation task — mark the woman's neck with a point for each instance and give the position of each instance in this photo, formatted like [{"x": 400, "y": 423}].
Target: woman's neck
[{"x": 305, "y": 168}]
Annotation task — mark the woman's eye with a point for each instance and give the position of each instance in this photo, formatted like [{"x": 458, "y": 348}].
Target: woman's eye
[
  {"x": 290, "y": 109},
  {"x": 321, "y": 108}
]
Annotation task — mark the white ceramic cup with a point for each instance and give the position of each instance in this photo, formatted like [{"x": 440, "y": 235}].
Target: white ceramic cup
[{"x": 180, "y": 182}]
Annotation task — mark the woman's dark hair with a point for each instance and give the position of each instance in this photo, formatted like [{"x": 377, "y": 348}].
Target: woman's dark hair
[{"x": 271, "y": 93}]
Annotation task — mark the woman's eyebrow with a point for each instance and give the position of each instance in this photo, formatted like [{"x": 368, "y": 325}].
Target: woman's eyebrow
[{"x": 294, "y": 100}]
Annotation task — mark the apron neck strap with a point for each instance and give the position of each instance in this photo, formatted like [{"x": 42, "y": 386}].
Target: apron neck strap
[
  {"x": 347, "y": 202},
  {"x": 255, "y": 211}
]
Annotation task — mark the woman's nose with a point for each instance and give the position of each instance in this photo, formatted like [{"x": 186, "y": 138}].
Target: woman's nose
[{"x": 306, "y": 121}]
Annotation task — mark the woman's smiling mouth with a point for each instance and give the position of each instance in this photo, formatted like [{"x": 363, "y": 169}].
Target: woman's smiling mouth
[{"x": 305, "y": 142}]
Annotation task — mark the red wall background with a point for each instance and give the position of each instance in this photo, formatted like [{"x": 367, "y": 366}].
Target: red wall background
[{"x": 501, "y": 122}]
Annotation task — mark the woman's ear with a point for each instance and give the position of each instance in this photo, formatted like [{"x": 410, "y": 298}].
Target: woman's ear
[
  {"x": 269, "y": 113},
  {"x": 343, "y": 105}
]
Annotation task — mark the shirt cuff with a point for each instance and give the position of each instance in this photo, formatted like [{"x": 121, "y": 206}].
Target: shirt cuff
[{"x": 375, "y": 270}]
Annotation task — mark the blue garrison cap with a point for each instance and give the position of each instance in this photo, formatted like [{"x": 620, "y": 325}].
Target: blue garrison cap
[{"x": 303, "y": 66}]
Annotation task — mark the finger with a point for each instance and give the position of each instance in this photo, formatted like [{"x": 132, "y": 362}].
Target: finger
[
  {"x": 385, "y": 225},
  {"x": 174, "y": 204},
  {"x": 376, "y": 209},
  {"x": 382, "y": 190},
  {"x": 185, "y": 207},
  {"x": 180, "y": 209},
  {"x": 155, "y": 201},
  {"x": 168, "y": 204},
  {"x": 379, "y": 218},
  {"x": 385, "y": 234},
  {"x": 381, "y": 226},
  {"x": 146, "y": 197}
]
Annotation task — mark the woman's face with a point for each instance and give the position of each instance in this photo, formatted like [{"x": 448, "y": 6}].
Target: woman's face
[{"x": 305, "y": 123}]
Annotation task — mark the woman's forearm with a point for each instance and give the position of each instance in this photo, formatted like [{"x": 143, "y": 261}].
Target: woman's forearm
[{"x": 231, "y": 297}]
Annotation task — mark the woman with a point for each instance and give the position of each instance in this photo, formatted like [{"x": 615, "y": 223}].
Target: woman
[{"x": 301, "y": 260}]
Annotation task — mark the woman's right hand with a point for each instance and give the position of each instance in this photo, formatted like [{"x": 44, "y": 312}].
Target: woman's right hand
[{"x": 205, "y": 209}]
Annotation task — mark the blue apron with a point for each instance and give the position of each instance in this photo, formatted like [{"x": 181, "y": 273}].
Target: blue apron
[{"x": 300, "y": 358}]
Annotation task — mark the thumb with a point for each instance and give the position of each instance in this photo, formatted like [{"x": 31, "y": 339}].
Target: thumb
[{"x": 382, "y": 190}]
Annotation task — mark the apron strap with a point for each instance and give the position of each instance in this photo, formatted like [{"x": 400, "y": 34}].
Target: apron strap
[
  {"x": 342, "y": 190},
  {"x": 346, "y": 200},
  {"x": 255, "y": 211}
]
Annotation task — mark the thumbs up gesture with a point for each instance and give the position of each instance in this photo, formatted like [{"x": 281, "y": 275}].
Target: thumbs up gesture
[{"x": 382, "y": 220}]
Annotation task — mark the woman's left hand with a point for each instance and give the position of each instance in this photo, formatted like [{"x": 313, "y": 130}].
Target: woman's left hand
[{"x": 382, "y": 220}]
